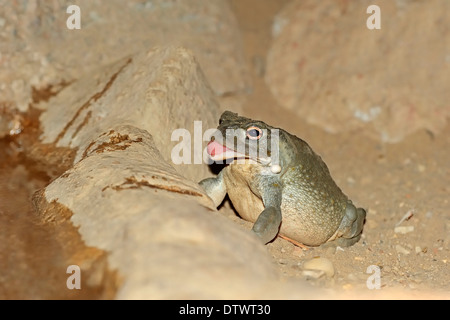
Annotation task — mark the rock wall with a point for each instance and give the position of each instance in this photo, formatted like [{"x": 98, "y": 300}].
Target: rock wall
[
  {"x": 329, "y": 68},
  {"x": 158, "y": 90},
  {"x": 38, "y": 50}
]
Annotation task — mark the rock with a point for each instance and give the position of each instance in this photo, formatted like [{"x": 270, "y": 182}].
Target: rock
[
  {"x": 401, "y": 249},
  {"x": 38, "y": 51},
  {"x": 321, "y": 264},
  {"x": 329, "y": 68},
  {"x": 313, "y": 274},
  {"x": 161, "y": 231},
  {"x": 163, "y": 236},
  {"x": 403, "y": 229},
  {"x": 159, "y": 90}
]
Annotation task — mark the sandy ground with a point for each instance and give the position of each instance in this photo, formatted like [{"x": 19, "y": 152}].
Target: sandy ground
[{"x": 390, "y": 180}]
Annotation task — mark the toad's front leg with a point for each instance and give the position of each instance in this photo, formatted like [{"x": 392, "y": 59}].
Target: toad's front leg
[
  {"x": 215, "y": 188},
  {"x": 267, "y": 225}
]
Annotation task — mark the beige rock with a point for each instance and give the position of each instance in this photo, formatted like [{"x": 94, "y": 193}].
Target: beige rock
[
  {"x": 158, "y": 90},
  {"x": 313, "y": 274},
  {"x": 401, "y": 249},
  {"x": 159, "y": 229},
  {"x": 329, "y": 68},
  {"x": 320, "y": 264},
  {"x": 37, "y": 50},
  {"x": 403, "y": 229}
]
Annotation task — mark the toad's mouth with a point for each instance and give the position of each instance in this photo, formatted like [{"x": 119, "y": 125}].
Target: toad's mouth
[{"x": 219, "y": 152}]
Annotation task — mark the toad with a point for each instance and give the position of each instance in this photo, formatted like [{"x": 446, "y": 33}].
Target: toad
[{"x": 278, "y": 182}]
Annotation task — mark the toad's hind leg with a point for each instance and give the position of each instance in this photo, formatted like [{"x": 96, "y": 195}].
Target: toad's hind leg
[{"x": 350, "y": 229}]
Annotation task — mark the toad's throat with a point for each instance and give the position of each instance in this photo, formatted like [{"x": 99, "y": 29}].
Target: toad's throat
[{"x": 219, "y": 152}]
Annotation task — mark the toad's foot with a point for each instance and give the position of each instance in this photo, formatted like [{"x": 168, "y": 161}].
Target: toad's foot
[
  {"x": 349, "y": 231},
  {"x": 268, "y": 223}
]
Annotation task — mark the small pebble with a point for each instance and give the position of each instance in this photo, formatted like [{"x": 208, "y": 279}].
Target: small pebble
[
  {"x": 401, "y": 249},
  {"x": 403, "y": 229},
  {"x": 319, "y": 263},
  {"x": 313, "y": 274}
]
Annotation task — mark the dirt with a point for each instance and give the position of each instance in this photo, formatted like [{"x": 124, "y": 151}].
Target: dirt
[
  {"x": 389, "y": 180},
  {"x": 35, "y": 254}
]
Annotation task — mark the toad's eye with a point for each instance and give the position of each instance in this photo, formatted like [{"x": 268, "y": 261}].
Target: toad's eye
[{"x": 254, "y": 133}]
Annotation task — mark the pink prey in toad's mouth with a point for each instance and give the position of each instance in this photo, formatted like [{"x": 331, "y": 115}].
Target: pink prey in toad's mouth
[{"x": 219, "y": 152}]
